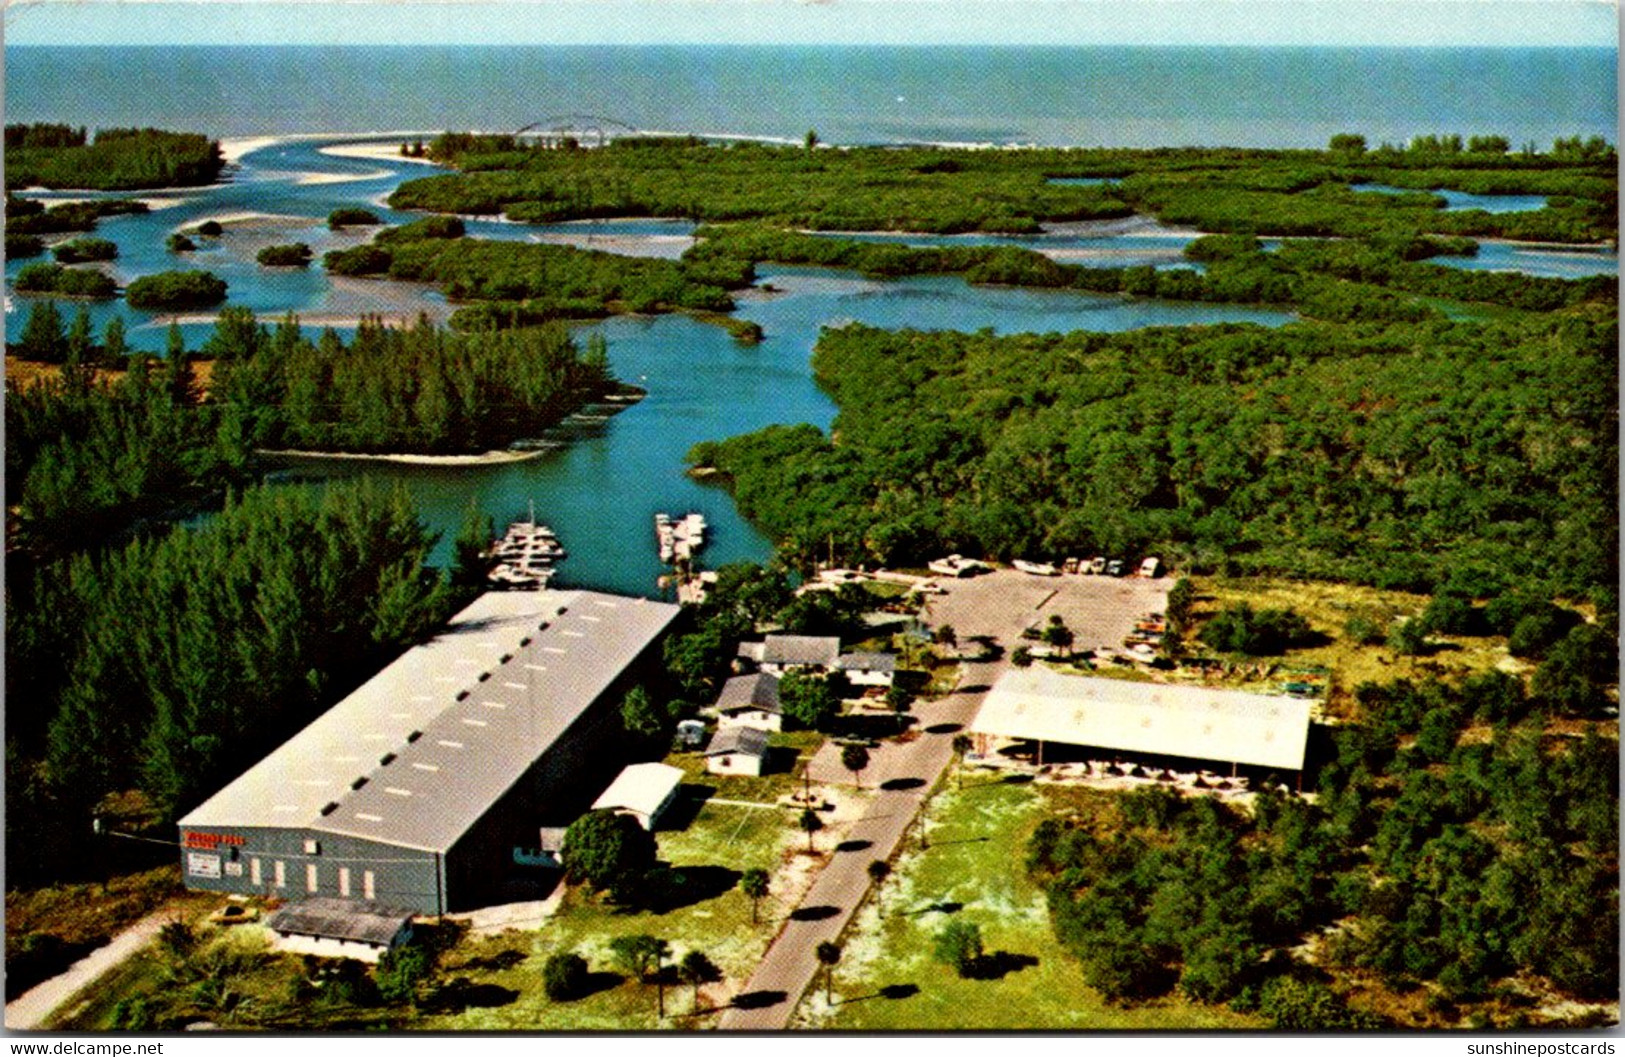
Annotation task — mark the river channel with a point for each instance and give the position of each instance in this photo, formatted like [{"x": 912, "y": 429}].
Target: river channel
[{"x": 608, "y": 476}]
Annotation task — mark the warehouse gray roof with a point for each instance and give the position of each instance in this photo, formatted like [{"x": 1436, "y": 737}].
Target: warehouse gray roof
[
  {"x": 340, "y": 919},
  {"x": 1191, "y": 721},
  {"x": 758, "y": 690},
  {"x": 420, "y": 751}
]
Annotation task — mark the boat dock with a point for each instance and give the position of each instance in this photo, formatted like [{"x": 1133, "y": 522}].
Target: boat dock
[
  {"x": 679, "y": 539},
  {"x": 525, "y": 556}
]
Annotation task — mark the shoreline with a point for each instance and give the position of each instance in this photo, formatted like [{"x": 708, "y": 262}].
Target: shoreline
[{"x": 490, "y": 458}]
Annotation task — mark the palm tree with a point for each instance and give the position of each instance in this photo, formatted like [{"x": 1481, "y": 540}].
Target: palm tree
[
  {"x": 879, "y": 870},
  {"x": 697, "y": 969},
  {"x": 961, "y": 745},
  {"x": 829, "y": 954},
  {"x": 855, "y": 758},
  {"x": 810, "y": 822},
  {"x": 754, "y": 884}
]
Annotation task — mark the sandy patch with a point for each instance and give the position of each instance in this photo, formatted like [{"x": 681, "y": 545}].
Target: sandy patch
[
  {"x": 233, "y": 148},
  {"x": 490, "y": 458},
  {"x": 248, "y": 220},
  {"x": 47, "y": 199},
  {"x": 379, "y": 151},
  {"x": 668, "y": 247},
  {"x": 310, "y": 179}
]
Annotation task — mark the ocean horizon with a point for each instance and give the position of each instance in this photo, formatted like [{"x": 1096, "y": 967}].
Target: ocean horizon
[{"x": 1129, "y": 96}]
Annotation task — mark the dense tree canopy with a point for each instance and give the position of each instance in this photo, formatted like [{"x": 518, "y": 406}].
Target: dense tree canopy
[
  {"x": 1390, "y": 454},
  {"x": 118, "y": 159}
]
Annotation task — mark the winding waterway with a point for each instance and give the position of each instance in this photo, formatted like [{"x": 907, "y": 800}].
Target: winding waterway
[{"x": 602, "y": 486}]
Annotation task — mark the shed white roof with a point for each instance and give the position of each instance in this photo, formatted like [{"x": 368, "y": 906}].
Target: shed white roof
[
  {"x": 424, "y": 748},
  {"x": 642, "y": 787},
  {"x": 1190, "y": 721}
]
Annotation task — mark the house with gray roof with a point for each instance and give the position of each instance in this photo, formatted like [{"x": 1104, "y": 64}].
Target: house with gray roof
[
  {"x": 428, "y": 786},
  {"x": 867, "y": 669},
  {"x": 736, "y": 750},
  {"x": 750, "y": 701}
]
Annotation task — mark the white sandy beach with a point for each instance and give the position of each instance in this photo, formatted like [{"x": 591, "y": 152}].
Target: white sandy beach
[
  {"x": 666, "y": 247},
  {"x": 248, "y": 220},
  {"x": 375, "y": 152},
  {"x": 234, "y": 147},
  {"x": 312, "y": 178},
  {"x": 490, "y": 458}
]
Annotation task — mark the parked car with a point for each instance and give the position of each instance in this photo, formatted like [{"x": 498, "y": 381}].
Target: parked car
[{"x": 1114, "y": 567}]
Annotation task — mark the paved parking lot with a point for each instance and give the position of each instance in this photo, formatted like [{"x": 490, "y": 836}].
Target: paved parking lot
[{"x": 1100, "y": 610}]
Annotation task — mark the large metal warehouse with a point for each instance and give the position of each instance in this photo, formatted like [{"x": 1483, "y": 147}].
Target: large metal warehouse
[
  {"x": 1192, "y": 722},
  {"x": 427, "y": 788}
]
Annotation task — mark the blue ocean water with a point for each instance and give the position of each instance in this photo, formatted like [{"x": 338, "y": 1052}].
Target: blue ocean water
[{"x": 1106, "y": 96}]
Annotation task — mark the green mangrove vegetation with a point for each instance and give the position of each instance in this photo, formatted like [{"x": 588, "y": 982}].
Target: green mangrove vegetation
[
  {"x": 1380, "y": 453},
  {"x": 176, "y": 290},
  {"x": 54, "y": 279},
  {"x": 1265, "y": 192},
  {"x": 116, "y": 159}
]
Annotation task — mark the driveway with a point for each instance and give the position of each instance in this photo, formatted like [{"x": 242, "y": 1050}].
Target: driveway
[
  {"x": 904, "y": 774},
  {"x": 29, "y": 1010}
]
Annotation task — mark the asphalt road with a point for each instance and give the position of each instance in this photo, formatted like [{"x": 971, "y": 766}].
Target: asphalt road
[{"x": 904, "y": 773}]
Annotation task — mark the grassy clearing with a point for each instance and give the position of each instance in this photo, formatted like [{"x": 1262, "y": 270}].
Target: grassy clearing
[
  {"x": 1328, "y": 608},
  {"x": 721, "y": 841},
  {"x": 887, "y": 980}
]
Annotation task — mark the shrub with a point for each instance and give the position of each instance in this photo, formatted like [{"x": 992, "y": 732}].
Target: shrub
[
  {"x": 20, "y": 246},
  {"x": 80, "y": 250},
  {"x": 290, "y": 255},
  {"x": 1363, "y": 630},
  {"x": 959, "y": 945},
  {"x": 44, "y": 278},
  {"x": 427, "y": 228},
  {"x": 1536, "y": 632},
  {"x": 1241, "y": 629},
  {"x": 351, "y": 216},
  {"x": 178, "y": 243},
  {"x": 211, "y": 228},
  {"x": 362, "y": 260},
  {"x": 1451, "y": 615},
  {"x": 172, "y": 290},
  {"x": 564, "y": 976}
]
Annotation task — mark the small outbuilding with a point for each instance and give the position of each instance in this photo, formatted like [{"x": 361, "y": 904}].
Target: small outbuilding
[
  {"x": 643, "y": 790},
  {"x": 340, "y": 928},
  {"x": 750, "y": 701},
  {"x": 737, "y": 750}
]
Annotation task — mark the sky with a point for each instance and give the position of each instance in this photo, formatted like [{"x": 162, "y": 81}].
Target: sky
[{"x": 889, "y": 22}]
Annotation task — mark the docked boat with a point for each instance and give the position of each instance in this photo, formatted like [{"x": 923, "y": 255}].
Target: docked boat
[
  {"x": 524, "y": 556},
  {"x": 679, "y": 539}
]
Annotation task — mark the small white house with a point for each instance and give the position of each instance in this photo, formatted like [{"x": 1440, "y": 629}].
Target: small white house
[
  {"x": 750, "y": 701},
  {"x": 868, "y": 669},
  {"x": 737, "y": 750},
  {"x": 643, "y": 790}
]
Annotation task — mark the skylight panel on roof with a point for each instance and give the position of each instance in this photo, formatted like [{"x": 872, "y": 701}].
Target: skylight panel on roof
[
  {"x": 427, "y": 766},
  {"x": 395, "y": 790},
  {"x": 450, "y": 744},
  {"x": 363, "y": 816},
  {"x": 474, "y": 722},
  {"x": 517, "y": 686}
]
